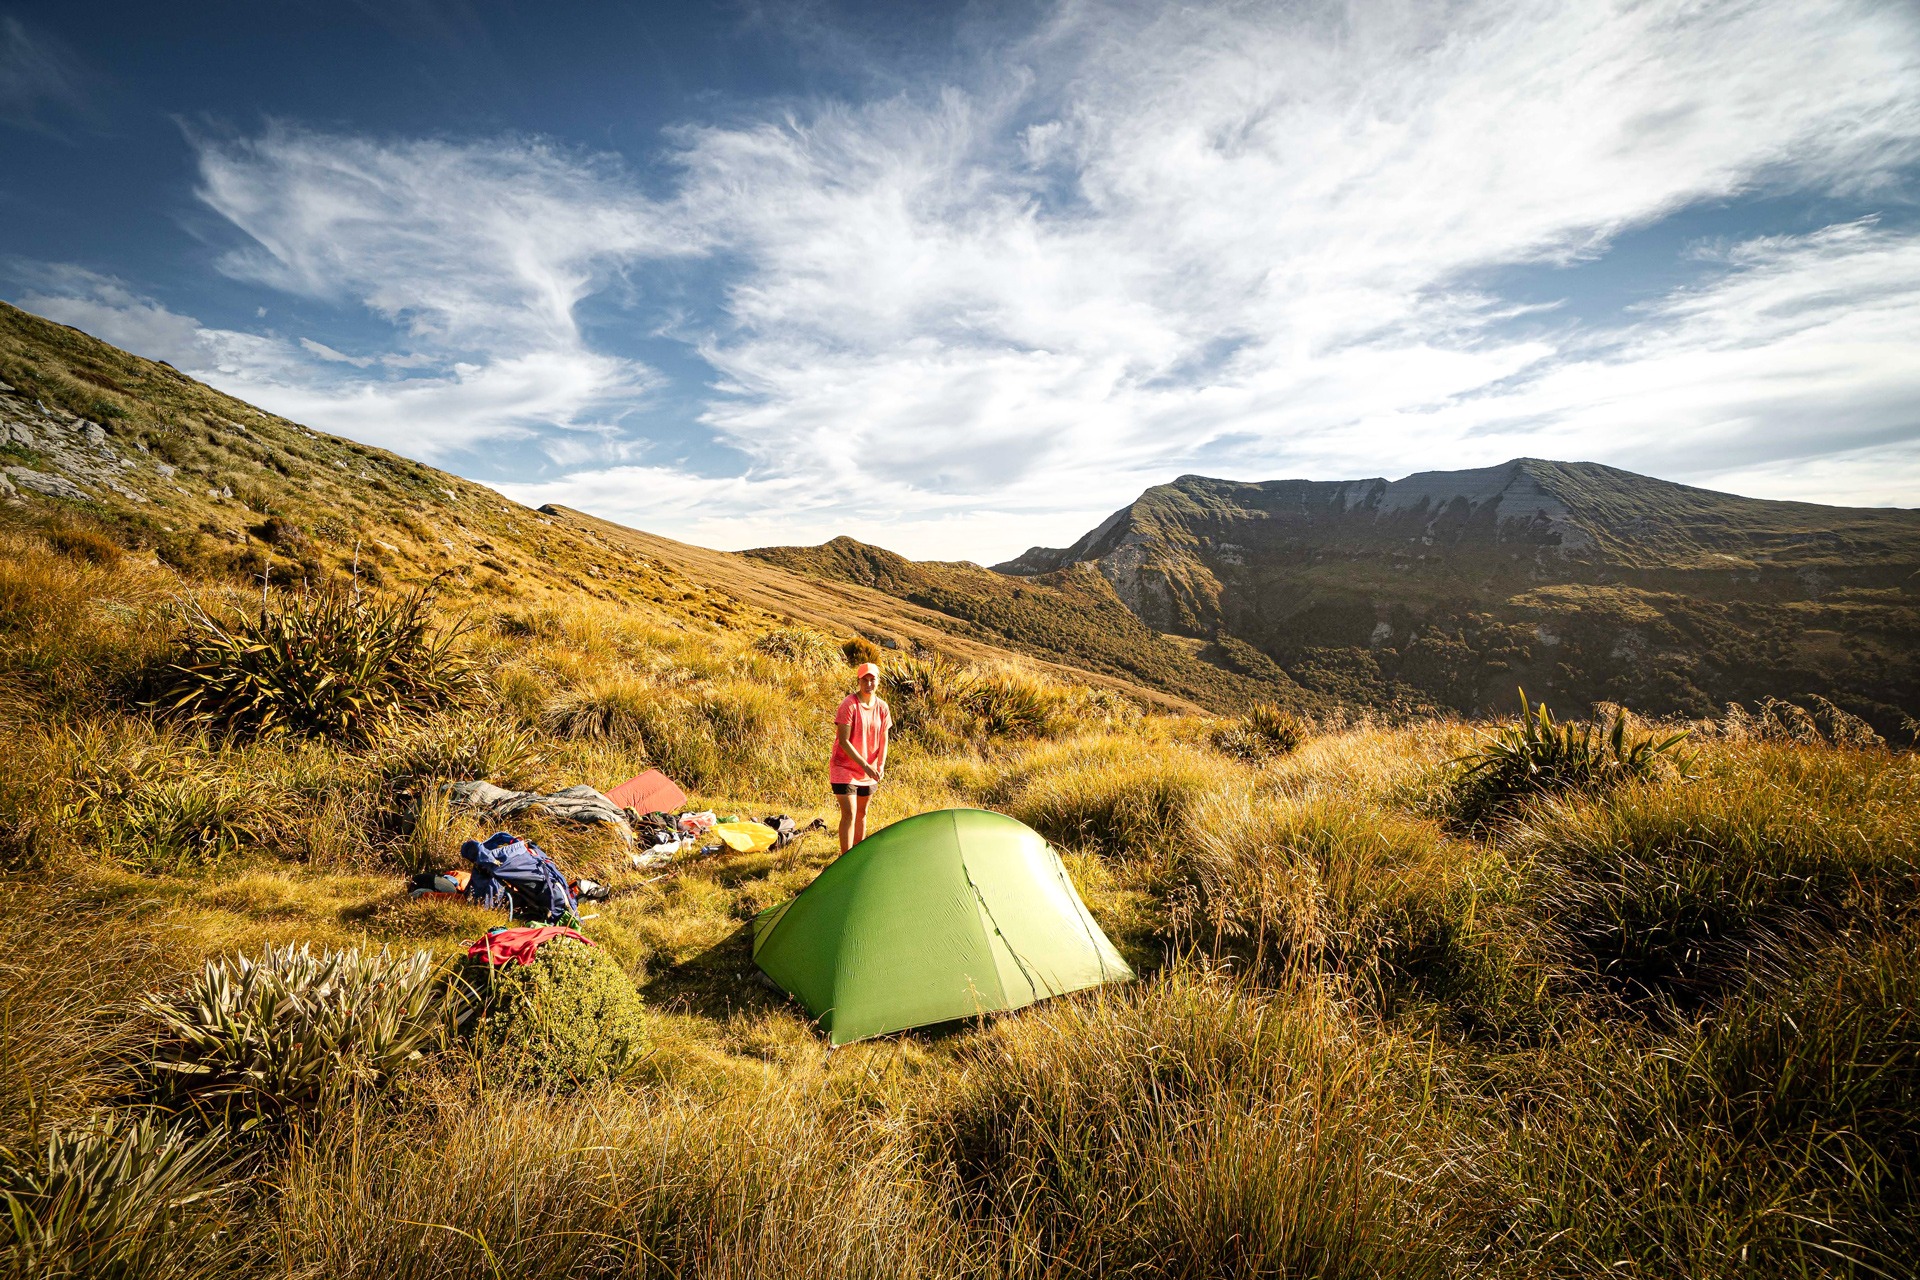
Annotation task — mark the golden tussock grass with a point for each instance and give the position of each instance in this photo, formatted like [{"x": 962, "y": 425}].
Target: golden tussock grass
[{"x": 1664, "y": 1030}]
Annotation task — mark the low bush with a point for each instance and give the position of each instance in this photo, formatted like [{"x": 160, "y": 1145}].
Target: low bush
[
  {"x": 326, "y": 665},
  {"x": 115, "y": 1197},
  {"x": 570, "y": 1017},
  {"x": 293, "y": 1032},
  {"x": 1538, "y": 756}
]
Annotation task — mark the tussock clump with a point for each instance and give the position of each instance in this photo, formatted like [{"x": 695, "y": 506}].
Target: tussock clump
[
  {"x": 1538, "y": 757},
  {"x": 802, "y": 646},
  {"x": 927, "y": 695},
  {"x": 1385, "y": 901},
  {"x": 116, "y": 1197},
  {"x": 1131, "y": 805},
  {"x": 1012, "y": 704},
  {"x": 1263, "y": 733},
  {"x": 293, "y": 1031},
  {"x": 948, "y": 705},
  {"x": 159, "y": 799},
  {"x": 1192, "y": 1127},
  {"x": 764, "y": 1181},
  {"x": 325, "y": 665},
  {"x": 614, "y": 708},
  {"x": 84, "y": 542},
  {"x": 859, "y": 649},
  {"x": 189, "y": 823},
  {"x": 1777, "y": 720},
  {"x": 457, "y": 747},
  {"x": 570, "y": 1017},
  {"x": 1669, "y": 891},
  {"x": 1779, "y": 1132}
]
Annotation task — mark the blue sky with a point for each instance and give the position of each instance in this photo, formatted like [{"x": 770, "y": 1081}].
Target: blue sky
[{"x": 960, "y": 279}]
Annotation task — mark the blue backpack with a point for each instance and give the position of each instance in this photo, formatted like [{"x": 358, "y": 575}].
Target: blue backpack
[{"x": 517, "y": 876}]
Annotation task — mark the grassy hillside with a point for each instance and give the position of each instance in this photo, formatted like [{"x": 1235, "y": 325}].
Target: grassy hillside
[
  {"x": 1071, "y": 615},
  {"x": 1574, "y": 580},
  {"x": 1658, "y": 1015}
]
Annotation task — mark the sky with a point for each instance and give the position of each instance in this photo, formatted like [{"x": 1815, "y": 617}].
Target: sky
[{"x": 961, "y": 279}]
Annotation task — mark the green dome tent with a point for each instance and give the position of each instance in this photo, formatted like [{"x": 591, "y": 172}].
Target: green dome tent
[{"x": 941, "y": 916}]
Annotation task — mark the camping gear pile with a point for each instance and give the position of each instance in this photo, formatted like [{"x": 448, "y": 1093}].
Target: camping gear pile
[
  {"x": 942, "y": 916},
  {"x": 644, "y": 809},
  {"x": 515, "y": 875}
]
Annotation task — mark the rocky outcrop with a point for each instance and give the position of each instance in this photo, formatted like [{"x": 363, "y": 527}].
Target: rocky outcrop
[{"x": 61, "y": 455}]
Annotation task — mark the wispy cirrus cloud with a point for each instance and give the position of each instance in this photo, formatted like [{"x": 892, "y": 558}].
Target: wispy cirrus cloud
[
  {"x": 1129, "y": 241},
  {"x": 41, "y": 81}
]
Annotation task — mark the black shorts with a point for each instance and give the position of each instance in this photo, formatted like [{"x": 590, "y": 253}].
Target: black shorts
[{"x": 853, "y": 788}]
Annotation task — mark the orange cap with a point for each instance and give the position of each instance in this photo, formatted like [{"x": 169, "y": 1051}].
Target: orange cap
[{"x": 866, "y": 669}]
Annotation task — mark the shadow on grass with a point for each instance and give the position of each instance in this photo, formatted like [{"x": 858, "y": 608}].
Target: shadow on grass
[{"x": 716, "y": 983}]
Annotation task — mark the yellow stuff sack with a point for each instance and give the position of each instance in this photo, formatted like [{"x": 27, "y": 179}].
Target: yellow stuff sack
[{"x": 745, "y": 837}]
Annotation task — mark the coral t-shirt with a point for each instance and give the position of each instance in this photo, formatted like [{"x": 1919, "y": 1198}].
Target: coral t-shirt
[{"x": 866, "y": 733}]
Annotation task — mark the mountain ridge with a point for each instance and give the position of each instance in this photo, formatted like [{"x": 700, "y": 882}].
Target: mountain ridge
[{"x": 1449, "y": 590}]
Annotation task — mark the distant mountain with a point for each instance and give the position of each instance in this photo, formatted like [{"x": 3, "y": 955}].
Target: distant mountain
[{"x": 1582, "y": 582}]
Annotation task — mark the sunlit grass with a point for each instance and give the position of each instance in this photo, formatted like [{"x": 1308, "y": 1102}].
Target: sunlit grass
[{"x": 1665, "y": 1029}]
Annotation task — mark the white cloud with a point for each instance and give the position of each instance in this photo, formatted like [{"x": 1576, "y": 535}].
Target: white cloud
[{"x": 1135, "y": 241}]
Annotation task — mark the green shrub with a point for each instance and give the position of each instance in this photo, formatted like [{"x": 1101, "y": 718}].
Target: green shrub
[
  {"x": 1266, "y": 731},
  {"x": 293, "y": 1032},
  {"x": 114, "y": 1197},
  {"x": 325, "y": 665},
  {"x": 1540, "y": 757},
  {"x": 569, "y": 1017}
]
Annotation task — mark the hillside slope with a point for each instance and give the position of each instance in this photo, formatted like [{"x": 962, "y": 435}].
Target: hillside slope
[
  {"x": 213, "y": 486},
  {"x": 1576, "y": 580},
  {"x": 1071, "y": 615}
]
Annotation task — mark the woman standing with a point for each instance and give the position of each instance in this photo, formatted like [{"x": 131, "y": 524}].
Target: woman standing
[{"x": 859, "y": 752}]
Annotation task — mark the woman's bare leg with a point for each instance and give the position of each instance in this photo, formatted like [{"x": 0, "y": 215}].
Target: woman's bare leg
[
  {"x": 860, "y": 818},
  {"x": 847, "y": 838}
]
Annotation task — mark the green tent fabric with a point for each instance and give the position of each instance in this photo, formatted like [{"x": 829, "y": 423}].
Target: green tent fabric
[{"x": 941, "y": 916}]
